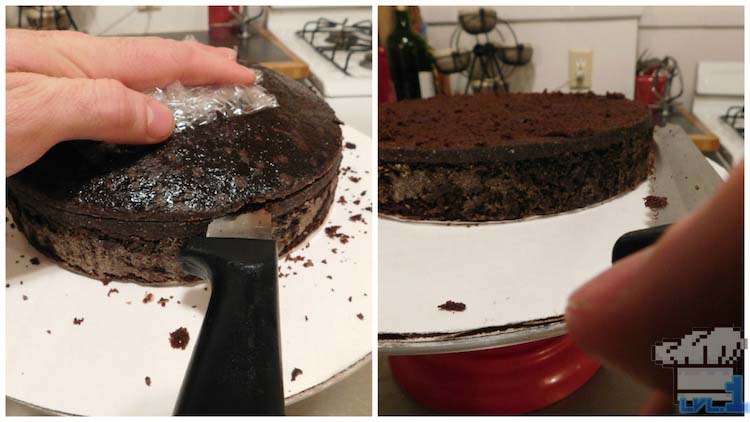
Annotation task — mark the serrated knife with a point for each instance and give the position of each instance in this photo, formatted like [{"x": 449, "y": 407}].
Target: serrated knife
[
  {"x": 683, "y": 176},
  {"x": 235, "y": 368}
]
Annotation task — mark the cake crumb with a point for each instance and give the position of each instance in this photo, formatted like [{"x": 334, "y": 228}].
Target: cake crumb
[
  {"x": 34, "y": 261},
  {"x": 306, "y": 319},
  {"x": 331, "y": 231},
  {"x": 356, "y": 217},
  {"x": 350, "y": 145},
  {"x": 342, "y": 200},
  {"x": 179, "y": 338},
  {"x": 49, "y": 331},
  {"x": 77, "y": 321},
  {"x": 350, "y": 298},
  {"x": 355, "y": 179},
  {"x": 295, "y": 373},
  {"x": 162, "y": 301},
  {"x": 109, "y": 293},
  {"x": 148, "y": 298},
  {"x": 308, "y": 263},
  {"x": 24, "y": 297},
  {"x": 452, "y": 306},
  {"x": 148, "y": 381},
  {"x": 655, "y": 202},
  {"x": 360, "y": 316}
]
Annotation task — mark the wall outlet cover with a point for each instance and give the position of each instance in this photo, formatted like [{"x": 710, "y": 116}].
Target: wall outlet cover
[{"x": 580, "y": 68}]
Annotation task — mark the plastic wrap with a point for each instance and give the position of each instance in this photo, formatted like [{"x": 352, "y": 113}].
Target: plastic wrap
[{"x": 200, "y": 105}]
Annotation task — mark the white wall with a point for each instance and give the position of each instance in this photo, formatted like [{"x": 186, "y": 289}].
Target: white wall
[
  {"x": 610, "y": 33},
  {"x": 615, "y": 34}
]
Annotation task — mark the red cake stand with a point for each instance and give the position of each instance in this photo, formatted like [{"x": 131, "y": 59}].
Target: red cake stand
[{"x": 512, "y": 379}]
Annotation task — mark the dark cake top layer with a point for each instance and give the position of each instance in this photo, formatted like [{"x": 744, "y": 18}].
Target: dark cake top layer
[
  {"x": 490, "y": 127},
  {"x": 201, "y": 173}
]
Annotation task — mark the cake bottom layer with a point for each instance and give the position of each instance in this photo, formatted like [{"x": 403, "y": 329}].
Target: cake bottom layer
[
  {"x": 513, "y": 189},
  {"x": 102, "y": 256}
]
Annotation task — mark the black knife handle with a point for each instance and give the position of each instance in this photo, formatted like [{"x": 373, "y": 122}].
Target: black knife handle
[
  {"x": 634, "y": 241},
  {"x": 235, "y": 368}
]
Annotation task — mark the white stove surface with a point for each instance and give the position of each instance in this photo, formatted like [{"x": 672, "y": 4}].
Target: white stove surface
[
  {"x": 720, "y": 85},
  {"x": 709, "y": 110},
  {"x": 330, "y": 80}
]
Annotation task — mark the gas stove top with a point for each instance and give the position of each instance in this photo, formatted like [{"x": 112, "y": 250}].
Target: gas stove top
[
  {"x": 336, "y": 44},
  {"x": 718, "y": 100},
  {"x": 343, "y": 44}
]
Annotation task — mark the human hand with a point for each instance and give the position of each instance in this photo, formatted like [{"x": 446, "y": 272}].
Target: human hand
[
  {"x": 691, "y": 277},
  {"x": 64, "y": 85}
]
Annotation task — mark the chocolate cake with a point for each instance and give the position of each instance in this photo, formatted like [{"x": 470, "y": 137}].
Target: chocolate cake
[
  {"x": 124, "y": 212},
  {"x": 492, "y": 156}
]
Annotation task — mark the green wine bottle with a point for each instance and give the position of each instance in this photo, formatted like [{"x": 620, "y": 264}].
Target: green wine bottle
[{"x": 410, "y": 61}]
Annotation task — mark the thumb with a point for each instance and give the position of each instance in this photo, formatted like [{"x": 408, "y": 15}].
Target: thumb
[{"x": 106, "y": 110}]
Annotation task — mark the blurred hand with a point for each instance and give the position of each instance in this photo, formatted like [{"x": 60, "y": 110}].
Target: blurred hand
[
  {"x": 64, "y": 85},
  {"x": 692, "y": 277}
]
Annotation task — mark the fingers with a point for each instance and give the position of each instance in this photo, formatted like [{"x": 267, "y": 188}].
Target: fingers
[
  {"x": 43, "y": 111},
  {"x": 692, "y": 277},
  {"x": 138, "y": 62},
  {"x": 106, "y": 110}
]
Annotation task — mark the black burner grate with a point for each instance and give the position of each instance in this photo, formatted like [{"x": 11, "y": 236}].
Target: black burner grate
[
  {"x": 338, "y": 41},
  {"x": 735, "y": 117}
]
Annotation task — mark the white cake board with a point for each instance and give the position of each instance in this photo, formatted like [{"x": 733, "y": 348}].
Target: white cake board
[
  {"x": 99, "y": 367},
  {"x": 514, "y": 277}
]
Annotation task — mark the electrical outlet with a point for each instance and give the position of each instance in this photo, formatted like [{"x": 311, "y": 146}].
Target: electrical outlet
[
  {"x": 146, "y": 9},
  {"x": 579, "y": 68}
]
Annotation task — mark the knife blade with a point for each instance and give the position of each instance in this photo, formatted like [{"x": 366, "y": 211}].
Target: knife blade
[
  {"x": 235, "y": 368},
  {"x": 683, "y": 176}
]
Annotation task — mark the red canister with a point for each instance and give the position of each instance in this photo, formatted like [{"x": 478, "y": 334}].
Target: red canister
[{"x": 505, "y": 380}]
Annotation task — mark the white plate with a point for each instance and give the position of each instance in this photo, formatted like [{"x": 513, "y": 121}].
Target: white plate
[
  {"x": 514, "y": 277},
  {"x": 99, "y": 367}
]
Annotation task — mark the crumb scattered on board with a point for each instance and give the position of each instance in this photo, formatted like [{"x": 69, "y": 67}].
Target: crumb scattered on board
[
  {"x": 452, "y": 306},
  {"x": 148, "y": 298},
  {"x": 179, "y": 338},
  {"x": 77, "y": 321},
  {"x": 295, "y": 373},
  {"x": 655, "y": 202},
  {"x": 148, "y": 381}
]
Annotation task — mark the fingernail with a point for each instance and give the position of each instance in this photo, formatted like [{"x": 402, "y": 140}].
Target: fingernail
[
  {"x": 160, "y": 121},
  {"x": 608, "y": 288}
]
